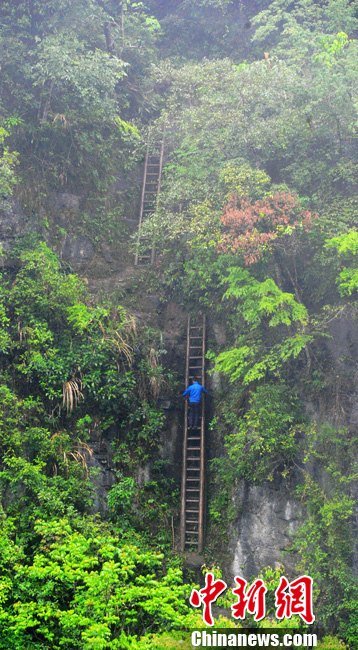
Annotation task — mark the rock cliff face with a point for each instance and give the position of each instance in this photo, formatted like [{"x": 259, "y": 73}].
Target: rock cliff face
[
  {"x": 268, "y": 515},
  {"x": 13, "y": 224},
  {"x": 268, "y": 518}
]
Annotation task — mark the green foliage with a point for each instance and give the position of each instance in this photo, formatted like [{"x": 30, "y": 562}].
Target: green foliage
[
  {"x": 265, "y": 440},
  {"x": 324, "y": 541},
  {"x": 244, "y": 181},
  {"x": 348, "y": 282},
  {"x": 56, "y": 337},
  {"x": 263, "y": 300},
  {"x": 289, "y": 29},
  {"x": 8, "y": 162},
  {"x": 346, "y": 246},
  {"x": 331, "y": 643},
  {"x": 121, "y": 496},
  {"x": 261, "y": 304},
  {"x": 221, "y": 507},
  {"x": 79, "y": 74},
  {"x": 83, "y": 589},
  {"x": 147, "y": 507},
  {"x": 68, "y": 580},
  {"x": 331, "y": 47}
]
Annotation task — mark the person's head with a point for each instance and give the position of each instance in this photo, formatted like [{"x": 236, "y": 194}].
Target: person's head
[{"x": 195, "y": 379}]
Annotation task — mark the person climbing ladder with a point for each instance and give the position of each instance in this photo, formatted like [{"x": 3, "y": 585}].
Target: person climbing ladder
[{"x": 194, "y": 393}]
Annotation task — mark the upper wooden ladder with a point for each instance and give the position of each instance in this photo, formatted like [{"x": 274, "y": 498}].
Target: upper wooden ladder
[
  {"x": 153, "y": 166},
  {"x": 193, "y": 471}
]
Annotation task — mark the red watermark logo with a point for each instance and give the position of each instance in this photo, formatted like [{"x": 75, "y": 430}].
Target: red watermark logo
[{"x": 290, "y": 598}]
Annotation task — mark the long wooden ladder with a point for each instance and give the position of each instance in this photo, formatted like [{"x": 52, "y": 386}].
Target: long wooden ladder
[
  {"x": 193, "y": 471},
  {"x": 152, "y": 174}
]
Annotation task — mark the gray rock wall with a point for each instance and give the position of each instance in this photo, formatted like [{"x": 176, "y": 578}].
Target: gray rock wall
[{"x": 268, "y": 518}]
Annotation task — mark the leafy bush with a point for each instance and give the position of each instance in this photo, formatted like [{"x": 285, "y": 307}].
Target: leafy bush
[{"x": 265, "y": 442}]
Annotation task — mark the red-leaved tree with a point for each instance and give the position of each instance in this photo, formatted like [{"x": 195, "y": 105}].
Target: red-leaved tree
[{"x": 252, "y": 228}]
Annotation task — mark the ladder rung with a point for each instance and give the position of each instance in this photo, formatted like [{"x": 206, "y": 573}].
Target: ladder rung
[
  {"x": 193, "y": 490},
  {"x": 194, "y": 438}
]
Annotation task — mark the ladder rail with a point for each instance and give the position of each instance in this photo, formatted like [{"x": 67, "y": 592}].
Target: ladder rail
[
  {"x": 161, "y": 158},
  {"x": 185, "y": 446},
  {"x": 202, "y": 450}
]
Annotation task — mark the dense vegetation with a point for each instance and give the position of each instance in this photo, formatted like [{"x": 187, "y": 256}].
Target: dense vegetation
[{"x": 255, "y": 224}]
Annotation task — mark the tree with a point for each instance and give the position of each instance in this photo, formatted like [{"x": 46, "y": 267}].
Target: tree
[{"x": 252, "y": 228}]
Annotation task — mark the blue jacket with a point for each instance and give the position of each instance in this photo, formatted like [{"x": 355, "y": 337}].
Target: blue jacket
[{"x": 194, "y": 392}]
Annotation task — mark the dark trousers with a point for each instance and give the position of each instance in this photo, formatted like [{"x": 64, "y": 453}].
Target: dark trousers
[{"x": 194, "y": 415}]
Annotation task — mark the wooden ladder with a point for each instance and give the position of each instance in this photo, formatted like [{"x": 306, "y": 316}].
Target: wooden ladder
[
  {"x": 153, "y": 166},
  {"x": 193, "y": 471}
]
